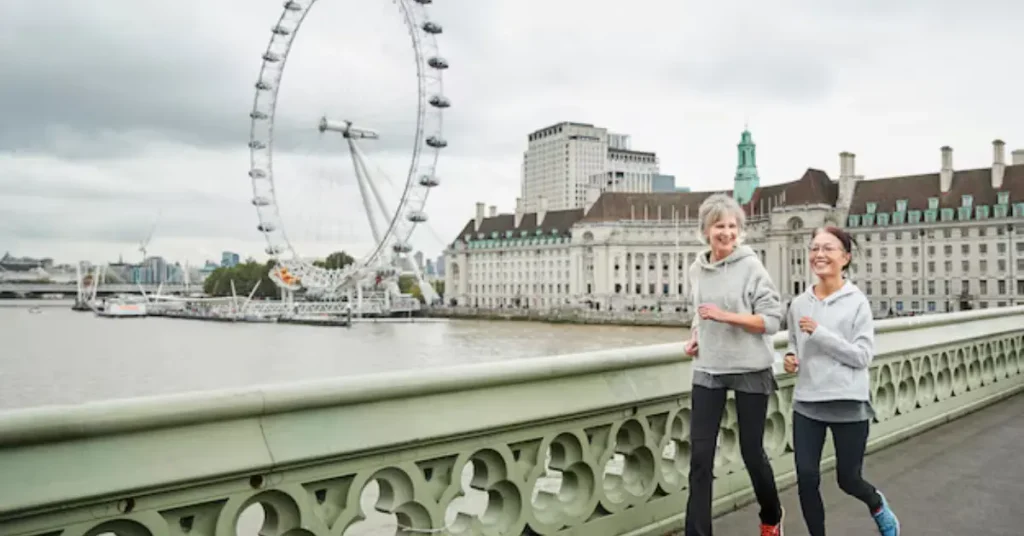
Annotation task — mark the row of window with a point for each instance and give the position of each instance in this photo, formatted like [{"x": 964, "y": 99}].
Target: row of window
[
  {"x": 948, "y": 287},
  {"x": 965, "y": 267},
  {"x": 934, "y": 214}
]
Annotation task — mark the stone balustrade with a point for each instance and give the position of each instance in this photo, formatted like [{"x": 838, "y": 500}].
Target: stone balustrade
[{"x": 589, "y": 444}]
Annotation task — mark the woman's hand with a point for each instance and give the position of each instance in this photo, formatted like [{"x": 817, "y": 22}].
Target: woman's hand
[
  {"x": 710, "y": 311},
  {"x": 791, "y": 363},
  {"x": 808, "y": 325},
  {"x": 691, "y": 346}
]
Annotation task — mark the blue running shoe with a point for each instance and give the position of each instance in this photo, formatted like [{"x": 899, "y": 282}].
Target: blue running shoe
[{"x": 887, "y": 523}]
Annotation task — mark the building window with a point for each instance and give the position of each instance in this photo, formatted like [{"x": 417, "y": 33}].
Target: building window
[
  {"x": 871, "y": 208},
  {"x": 965, "y": 201},
  {"x": 933, "y": 203},
  {"x": 901, "y": 205}
]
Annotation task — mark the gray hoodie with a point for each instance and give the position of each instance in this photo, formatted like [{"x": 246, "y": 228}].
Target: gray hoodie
[
  {"x": 738, "y": 283},
  {"x": 834, "y": 360}
]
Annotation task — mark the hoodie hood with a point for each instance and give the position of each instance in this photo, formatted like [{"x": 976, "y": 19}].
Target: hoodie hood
[
  {"x": 739, "y": 253},
  {"x": 848, "y": 289}
]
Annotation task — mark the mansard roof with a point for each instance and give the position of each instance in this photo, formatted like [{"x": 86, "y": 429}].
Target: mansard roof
[
  {"x": 555, "y": 221},
  {"x": 916, "y": 189},
  {"x": 814, "y": 187}
]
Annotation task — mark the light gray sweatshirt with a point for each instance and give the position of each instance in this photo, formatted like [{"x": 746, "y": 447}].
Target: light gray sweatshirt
[
  {"x": 738, "y": 283},
  {"x": 834, "y": 360}
]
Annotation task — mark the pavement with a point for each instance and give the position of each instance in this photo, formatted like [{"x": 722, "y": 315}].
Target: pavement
[{"x": 964, "y": 477}]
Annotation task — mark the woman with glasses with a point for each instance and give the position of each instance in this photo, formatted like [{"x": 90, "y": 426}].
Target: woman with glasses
[
  {"x": 738, "y": 310},
  {"x": 831, "y": 344}
]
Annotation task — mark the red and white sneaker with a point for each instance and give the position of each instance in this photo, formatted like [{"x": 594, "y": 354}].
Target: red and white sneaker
[{"x": 773, "y": 530}]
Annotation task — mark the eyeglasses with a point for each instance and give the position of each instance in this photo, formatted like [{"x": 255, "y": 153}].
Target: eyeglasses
[{"x": 828, "y": 250}]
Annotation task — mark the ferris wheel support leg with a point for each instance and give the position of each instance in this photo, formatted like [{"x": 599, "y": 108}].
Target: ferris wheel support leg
[
  {"x": 384, "y": 210},
  {"x": 429, "y": 294},
  {"x": 363, "y": 192}
]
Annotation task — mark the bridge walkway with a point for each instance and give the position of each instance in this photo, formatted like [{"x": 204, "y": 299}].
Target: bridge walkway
[{"x": 964, "y": 477}]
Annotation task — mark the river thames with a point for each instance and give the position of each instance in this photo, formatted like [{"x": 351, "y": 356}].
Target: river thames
[{"x": 53, "y": 355}]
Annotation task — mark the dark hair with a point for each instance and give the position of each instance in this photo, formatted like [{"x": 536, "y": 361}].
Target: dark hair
[{"x": 845, "y": 238}]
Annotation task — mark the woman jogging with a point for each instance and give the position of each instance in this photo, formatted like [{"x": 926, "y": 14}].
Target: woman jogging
[
  {"x": 831, "y": 344},
  {"x": 738, "y": 309}
]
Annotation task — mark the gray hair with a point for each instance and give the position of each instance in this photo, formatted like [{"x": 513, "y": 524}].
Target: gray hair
[{"x": 716, "y": 207}]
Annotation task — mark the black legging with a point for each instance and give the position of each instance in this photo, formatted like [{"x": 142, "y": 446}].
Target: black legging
[
  {"x": 707, "y": 406},
  {"x": 850, "y": 440}
]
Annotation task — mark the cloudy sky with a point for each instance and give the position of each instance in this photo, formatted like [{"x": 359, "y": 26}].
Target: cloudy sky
[{"x": 121, "y": 114}]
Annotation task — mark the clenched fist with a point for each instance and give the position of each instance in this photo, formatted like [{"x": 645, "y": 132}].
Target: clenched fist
[{"x": 791, "y": 363}]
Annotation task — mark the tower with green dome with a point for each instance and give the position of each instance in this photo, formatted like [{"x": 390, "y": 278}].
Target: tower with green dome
[{"x": 746, "y": 180}]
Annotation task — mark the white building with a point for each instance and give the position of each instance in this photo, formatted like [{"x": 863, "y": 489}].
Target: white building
[
  {"x": 939, "y": 241},
  {"x": 562, "y": 162}
]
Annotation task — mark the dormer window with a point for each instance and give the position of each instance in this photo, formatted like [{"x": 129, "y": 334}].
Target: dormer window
[
  {"x": 965, "y": 201},
  {"x": 871, "y": 207},
  {"x": 933, "y": 203},
  {"x": 901, "y": 205},
  {"x": 1004, "y": 198}
]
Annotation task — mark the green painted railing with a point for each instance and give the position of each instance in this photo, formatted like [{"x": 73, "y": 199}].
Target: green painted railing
[{"x": 588, "y": 444}]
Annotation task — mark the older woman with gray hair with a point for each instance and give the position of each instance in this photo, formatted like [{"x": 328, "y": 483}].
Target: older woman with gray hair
[{"x": 738, "y": 309}]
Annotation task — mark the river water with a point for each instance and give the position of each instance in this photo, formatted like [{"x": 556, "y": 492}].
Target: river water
[{"x": 58, "y": 356}]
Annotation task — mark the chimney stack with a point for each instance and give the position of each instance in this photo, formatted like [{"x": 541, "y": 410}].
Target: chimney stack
[
  {"x": 479, "y": 216},
  {"x": 846, "y": 164},
  {"x": 1017, "y": 157},
  {"x": 542, "y": 208},
  {"x": 946, "y": 173},
  {"x": 520, "y": 210},
  {"x": 998, "y": 163},
  {"x": 493, "y": 211}
]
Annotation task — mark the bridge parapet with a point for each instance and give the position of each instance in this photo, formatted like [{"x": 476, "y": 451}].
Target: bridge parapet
[{"x": 593, "y": 443}]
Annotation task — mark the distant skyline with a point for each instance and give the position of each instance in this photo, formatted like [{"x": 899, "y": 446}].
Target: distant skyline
[{"x": 148, "y": 116}]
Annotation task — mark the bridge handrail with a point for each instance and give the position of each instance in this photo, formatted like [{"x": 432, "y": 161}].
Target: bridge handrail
[{"x": 58, "y": 423}]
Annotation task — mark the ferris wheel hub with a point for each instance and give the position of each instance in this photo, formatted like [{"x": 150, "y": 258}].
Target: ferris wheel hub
[{"x": 346, "y": 129}]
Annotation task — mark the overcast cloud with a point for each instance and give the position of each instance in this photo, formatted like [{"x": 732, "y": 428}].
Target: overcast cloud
[{"x": 120, "y": 113}]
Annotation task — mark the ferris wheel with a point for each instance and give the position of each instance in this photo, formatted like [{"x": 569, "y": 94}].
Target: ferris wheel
[{"x": 392, "y": 221}]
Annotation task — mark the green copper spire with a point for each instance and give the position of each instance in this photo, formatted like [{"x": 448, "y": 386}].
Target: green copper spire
[{"x": 746, "y": 180}]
